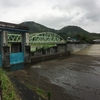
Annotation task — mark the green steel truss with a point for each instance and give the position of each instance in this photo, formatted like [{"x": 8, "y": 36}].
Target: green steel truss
[
  {"x": 46, "y": 37},
  {"x": 14, "y": 38},
  {"x": 38, "y": 38}
]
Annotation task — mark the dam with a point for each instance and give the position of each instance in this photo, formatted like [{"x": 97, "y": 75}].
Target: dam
[{"x": 17, "y": 44}]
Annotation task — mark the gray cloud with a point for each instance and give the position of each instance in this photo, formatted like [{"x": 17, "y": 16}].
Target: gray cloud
[
  {"x": 78, "y": 12},
  {"x": 53, "y": 13},
  {"x": 14, "y": 3},
  {"x": 91, "y": 8},
  {"x": 9, "y": 3},
  {"x": 57, "y": 22}
]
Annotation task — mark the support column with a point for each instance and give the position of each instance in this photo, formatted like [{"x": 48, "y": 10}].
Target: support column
[
  {"x": 43, "y": 51},
  {"x": 5, "y": 51},
  {"x": 56, "y": 49},
  {"x": 48, "y": 51},
  {"x": 26, "y": 47},
  {"x": 65, "y": 47}
]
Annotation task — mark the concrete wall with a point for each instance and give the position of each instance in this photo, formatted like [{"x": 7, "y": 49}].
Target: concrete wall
[
  {"x": 36, "y": 59},
  {"x": 75, "y": 47},
  {"x": 61, "y": 47}
]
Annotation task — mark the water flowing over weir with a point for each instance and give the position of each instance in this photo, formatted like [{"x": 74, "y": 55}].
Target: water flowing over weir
[{"x": 93, "y": 49}]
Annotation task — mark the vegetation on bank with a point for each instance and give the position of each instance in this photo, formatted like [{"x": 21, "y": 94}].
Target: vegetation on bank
[
  {"x": 8, "y": 90},
  {"x": 39, "y": 91},
  {"x": 46, "y": 95},
  {"x": 84, "y": 38}
]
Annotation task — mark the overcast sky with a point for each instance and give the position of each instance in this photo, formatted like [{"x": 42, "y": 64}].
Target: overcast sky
[{"x": 53, "y": 13}]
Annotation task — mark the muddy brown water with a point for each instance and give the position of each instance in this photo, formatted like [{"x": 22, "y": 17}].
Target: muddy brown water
[{"x": 76, "y": 76}]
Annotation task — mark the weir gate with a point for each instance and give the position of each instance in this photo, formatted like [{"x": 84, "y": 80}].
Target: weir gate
[
  {"x": 19, "y": 52},
  {"x": 16, "y": 44}
]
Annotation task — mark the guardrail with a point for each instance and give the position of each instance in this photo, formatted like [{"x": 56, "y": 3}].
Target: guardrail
[{"x": 0, "y": 91}]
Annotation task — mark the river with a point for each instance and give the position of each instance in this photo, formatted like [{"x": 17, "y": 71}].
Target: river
[{"x": 78, "y": 77}]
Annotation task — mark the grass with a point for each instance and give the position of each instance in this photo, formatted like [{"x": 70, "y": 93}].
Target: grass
[
  {"x": 46, "y": 95},
  {"x": 39, "y": 91},
  {"x": 8, "y": 91}
]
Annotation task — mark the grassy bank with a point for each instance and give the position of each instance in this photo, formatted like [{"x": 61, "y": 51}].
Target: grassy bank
[
  {"x": 8, "y": 91},
  {"x": 39, "y": 91},
  {"x": 44, "y": 94}
]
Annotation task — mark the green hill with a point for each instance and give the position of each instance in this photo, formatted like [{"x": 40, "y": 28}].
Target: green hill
[
  {"x": 35, "y": 27},
  {"x": 68, "y": 31},
  {"x": 72, "y": 31}
]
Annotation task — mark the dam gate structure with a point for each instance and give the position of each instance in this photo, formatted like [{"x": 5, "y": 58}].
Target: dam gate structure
[
  {"x": 19, "y": 51},
  {"x": 18, "y": 46}
]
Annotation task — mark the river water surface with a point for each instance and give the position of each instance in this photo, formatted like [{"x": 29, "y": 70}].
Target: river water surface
[
  {"x": 76, "y": 76},
  {"x": 79, "y": 76}
]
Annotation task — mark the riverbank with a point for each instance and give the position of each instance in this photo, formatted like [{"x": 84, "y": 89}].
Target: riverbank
[
  {"x": 32, "y": 77},
  {"x": 8, "y": 90},
  {"x": 12, "y": 89}
]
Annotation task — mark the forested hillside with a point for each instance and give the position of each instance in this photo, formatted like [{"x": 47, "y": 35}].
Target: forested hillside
[
  {"x": 35, "y": 27},
  {"x": 67, "y": 31}
]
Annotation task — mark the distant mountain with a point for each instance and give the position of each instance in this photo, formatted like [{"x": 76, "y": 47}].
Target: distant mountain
[
  {"x": 35, "y": 27},
  {"x": 68, "y": 31},
  {"x": 72, "y": 31}
]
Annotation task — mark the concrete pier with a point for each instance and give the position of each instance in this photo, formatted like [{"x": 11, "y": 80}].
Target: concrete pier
[{"x": 5, "y": 51}]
